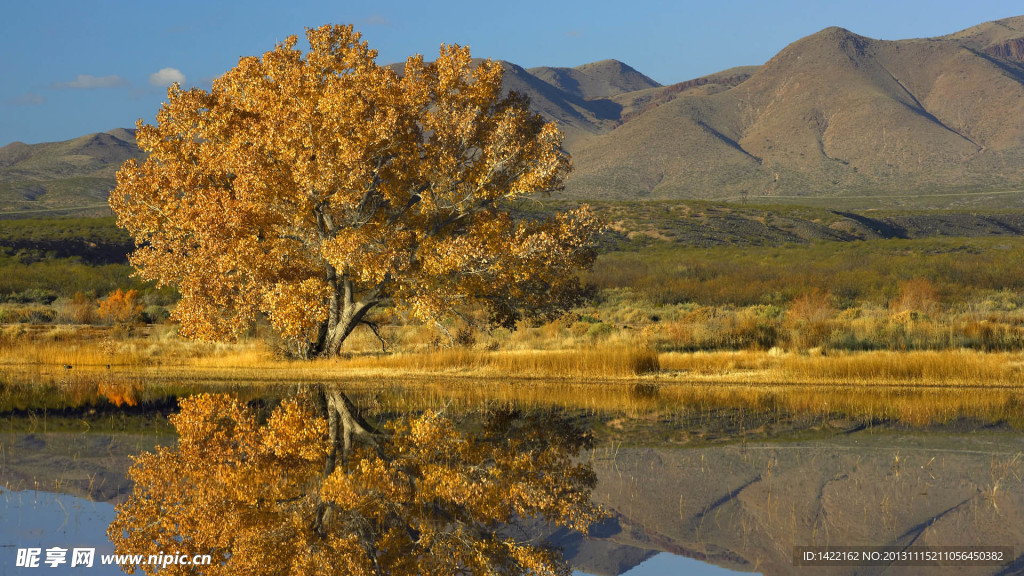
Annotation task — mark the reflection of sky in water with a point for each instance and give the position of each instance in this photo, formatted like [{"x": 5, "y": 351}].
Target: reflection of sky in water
[
  {"x": 665, "y": 563},
  {"x": 32, "y": 519}
]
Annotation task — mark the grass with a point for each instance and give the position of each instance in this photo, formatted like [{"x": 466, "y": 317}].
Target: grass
[
  {"x": 871, "y": 272},
  {"x": 921, "y": 368},
  {"x": 46, "y": 348},
  {"x": 604, "y": 361},
  {"x": 916, "y": 388}
]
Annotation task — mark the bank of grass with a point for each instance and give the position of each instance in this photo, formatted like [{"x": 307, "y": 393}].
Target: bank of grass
[
  {"x": 599, "y": 362},
  {"x": 88, "y": 347},
  {"x": 622, "y": 375},
  {"x": 965, "y": 368},
  {"x": 624, "y": 356}
]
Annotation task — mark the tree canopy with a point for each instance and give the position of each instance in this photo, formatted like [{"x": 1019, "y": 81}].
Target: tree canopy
[
  {"x": 421, "y": 497},
  {"x": 310, "y": 188}
]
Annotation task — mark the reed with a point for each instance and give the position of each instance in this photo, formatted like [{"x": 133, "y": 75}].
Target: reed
[
  {"x": 967, "y": 368},
  {"x": 616, "y": 375},
  {"x": 603, "y": 361},
  {"x": 946, "y": 367},
  {"x": 103, "y": 348}
]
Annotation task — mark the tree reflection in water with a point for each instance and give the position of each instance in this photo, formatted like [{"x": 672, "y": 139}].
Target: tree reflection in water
[{"x": 301, "y": 493}]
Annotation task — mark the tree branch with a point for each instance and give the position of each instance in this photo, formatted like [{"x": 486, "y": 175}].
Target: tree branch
[{"x": 376, "y": 332}]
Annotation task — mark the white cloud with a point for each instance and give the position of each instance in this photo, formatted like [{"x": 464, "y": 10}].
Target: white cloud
[
  {"x": 88, "y": 81},
  {"x": 376, "y": 20},
  {"x": 166, "y": 77},
  {"x": 28, "y": 99}
]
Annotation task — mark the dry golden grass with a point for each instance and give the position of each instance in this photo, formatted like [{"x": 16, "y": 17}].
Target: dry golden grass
[
  {"x": 90, "y": 347},
  {"x": 94, "y": 348},
  {"x": 919, "y": 368},
  {"x": 623, "y": 377},
  {"x": 600, "y": 361}
]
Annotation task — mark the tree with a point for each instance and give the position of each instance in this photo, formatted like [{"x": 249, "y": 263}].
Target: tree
[
  {"x": 313, "y": 188},
  {"x": 420, "y": 498}
]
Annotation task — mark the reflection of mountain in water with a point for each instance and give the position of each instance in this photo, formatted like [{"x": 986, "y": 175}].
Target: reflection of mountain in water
[{"x": 745, "y": 507}]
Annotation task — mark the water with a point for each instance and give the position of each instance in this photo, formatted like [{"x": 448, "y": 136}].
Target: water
[
  {"x": 745, "y": 507},
  {"x": 35, "y": 519},
  {"x": 665, "y": 563},
  {"x": 724, "y": 506}
]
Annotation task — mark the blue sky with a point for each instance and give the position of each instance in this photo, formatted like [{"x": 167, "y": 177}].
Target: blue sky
[{"x": 70, "y": 68}]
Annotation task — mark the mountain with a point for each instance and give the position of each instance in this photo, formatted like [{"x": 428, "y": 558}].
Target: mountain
[
  {"x": 932, "y": 123},
  {"x": 832, "y": 114},
  {"x": 57, "y": 177},
  {"x": 581, "y": 99}
]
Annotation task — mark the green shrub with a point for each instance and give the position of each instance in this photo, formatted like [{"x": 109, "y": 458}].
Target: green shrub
[
  {"x": 155, "y": 314},
  {"x": 599, "y": 331}
]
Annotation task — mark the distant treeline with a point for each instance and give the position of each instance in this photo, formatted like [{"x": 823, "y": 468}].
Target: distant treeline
[
  {"x": 90, "y": 240},
  {"x": 43, "y": 260}
]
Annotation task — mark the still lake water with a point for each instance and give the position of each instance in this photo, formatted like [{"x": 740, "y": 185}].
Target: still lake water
[{"x": 737, "y": 502}]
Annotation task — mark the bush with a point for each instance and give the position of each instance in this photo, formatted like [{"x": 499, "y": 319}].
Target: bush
[
  {"x": 121, "y": 307},
  {"x": 916, "y": 295},
  {"x": 809, "y": 319},
  {"x": 155, "y": 314},
  {"x": 465, "y": 337},
  {"x": 80, "y": 309},
  {"x": 27, "y": 314},
  {"x": 599, "y": 331},
  {"x": 33, "y": 295}
]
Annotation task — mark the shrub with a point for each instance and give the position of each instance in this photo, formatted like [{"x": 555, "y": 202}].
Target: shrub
[
  {"x": 809, "y": 318},
  {"x": 155, "y": 314},
  {"x": 121, "y": 307},
  {"x": 33, "y": 295},
  {"x": 465, "y": 337},
  {"x": 599, "y": 331},
  {"x": 916, "y": 295},
  {"x": 80, "y": 309},
  {"x": 27, "y": 314}
]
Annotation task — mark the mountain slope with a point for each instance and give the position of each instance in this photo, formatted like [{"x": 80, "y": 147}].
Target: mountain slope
[
  {"x": 77, "y": 175},
  {"x": 602, "y": 79},
  {"x": 56, "y": 176},
  {"x": 579, "y": 99},
  {"x": 832, "y": 114}
]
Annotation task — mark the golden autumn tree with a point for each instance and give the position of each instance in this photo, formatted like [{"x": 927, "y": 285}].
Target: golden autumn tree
[
  {"x": 284, "y": 496},
  {"x": 310, "y": 188}
]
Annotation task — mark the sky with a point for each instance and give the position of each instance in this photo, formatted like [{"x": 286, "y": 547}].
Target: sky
[{"x": 70, "y": 68}]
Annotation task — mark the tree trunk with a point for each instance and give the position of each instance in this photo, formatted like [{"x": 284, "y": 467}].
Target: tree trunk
[
  {"x": 345, "y": 313},
  {"x": 337, "y": 332},
  {"x": 345, "y": 426}
]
